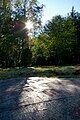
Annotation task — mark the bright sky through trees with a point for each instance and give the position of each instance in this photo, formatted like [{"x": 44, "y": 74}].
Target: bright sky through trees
[{"x": 56, "y": 7}]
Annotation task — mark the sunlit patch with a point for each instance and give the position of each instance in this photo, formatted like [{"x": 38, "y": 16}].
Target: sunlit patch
[{"x": 28, "y": 25}]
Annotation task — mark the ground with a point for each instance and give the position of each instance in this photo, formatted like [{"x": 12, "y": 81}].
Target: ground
[
  {"x": 44, "y": 71},
  {"x": 36, "y": 98}
]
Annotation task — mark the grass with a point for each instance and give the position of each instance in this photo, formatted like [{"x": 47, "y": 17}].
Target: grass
[{"x": 51, "y": 71}]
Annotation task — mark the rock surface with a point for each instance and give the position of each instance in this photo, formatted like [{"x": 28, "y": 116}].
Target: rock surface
[{"x": 38, "y": 98}]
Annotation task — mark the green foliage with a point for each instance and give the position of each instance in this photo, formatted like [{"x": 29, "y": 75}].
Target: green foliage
[
  {"x": 13, "y": 34},
  {"x": 26, "y": 57},
  {"x": 40, "y": 50},
  {"x": 64, "y": 44},
  {"x": 59, "y": 44}
]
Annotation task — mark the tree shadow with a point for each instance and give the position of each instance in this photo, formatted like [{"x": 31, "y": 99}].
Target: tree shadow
[
  {"x": 66, "y": 105},
  {"x": 37, "y": 98}
]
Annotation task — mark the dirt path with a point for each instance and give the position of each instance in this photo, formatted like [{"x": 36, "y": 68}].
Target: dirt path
[{"x": 40, "y": 99}]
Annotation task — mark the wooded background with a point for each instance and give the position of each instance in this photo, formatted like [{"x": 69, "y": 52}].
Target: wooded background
[{"x": 55, "y": 43}]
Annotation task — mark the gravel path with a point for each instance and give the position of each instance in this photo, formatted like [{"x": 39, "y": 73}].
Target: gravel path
[{"x": 38, "y": 98}]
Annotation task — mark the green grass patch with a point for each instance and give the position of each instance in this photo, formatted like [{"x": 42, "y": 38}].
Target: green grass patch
[{"x": 51, "y": 71}]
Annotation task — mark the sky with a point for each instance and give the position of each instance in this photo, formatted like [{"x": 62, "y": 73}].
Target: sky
[{"x": 58, "y": 7}]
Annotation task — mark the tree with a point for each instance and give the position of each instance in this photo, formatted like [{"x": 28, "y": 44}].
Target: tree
[
  {"x": 39, "y": 50},
  {"x": 26, "y": 57},
  {"x": 64, "y": 44},
  {"x": 13, "y": 34}
]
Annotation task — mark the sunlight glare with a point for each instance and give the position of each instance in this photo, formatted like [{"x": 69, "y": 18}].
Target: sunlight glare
[{"x": 29, "y": 25}]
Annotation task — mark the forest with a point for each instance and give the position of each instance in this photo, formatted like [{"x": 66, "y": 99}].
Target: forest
[{"x": 55, "y": 43}]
